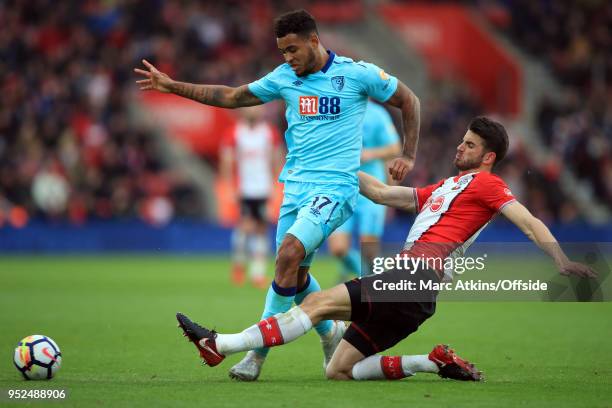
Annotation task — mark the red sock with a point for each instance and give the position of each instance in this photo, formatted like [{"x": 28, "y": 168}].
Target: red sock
[
  {"x": 270, "y": 331},
  {"x": 392, "y": 367}
]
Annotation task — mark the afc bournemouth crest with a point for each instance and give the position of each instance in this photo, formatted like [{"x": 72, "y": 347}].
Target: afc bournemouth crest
[{"x": 338, "y": 82}]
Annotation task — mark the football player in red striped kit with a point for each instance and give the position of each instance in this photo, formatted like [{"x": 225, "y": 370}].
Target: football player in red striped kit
[{"x": 451, "y": 213}]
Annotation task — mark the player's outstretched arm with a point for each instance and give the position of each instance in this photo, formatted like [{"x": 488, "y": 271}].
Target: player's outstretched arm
[
  {"x": 539, "y": 233},
  {"x": 381, "y": 193},
  {"x": 214, "y": 95},
  {"x": 409, "y": 104}
]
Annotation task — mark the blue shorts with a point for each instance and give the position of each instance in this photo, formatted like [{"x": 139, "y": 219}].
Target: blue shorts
[
  {"x": 312, "y": 211},
  {"x": 369, "y": 216}
]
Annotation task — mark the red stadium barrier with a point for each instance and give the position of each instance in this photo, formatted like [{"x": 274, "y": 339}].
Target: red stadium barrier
[{"x": 454, "y": 45}]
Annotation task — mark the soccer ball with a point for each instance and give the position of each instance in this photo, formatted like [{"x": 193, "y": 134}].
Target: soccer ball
[{"x": 37, "y": 357}]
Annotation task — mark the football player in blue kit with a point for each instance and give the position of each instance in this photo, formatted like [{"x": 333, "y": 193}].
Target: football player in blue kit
[{"x": 326, "y": 97}]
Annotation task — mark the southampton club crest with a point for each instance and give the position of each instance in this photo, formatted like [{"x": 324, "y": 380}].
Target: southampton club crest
[{"x": 337, "y": 82}]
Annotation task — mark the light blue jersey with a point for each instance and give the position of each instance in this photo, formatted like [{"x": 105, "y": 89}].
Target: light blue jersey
[
  {"x": 378, "y": 131},
  {"x": 324, "y": 113}
]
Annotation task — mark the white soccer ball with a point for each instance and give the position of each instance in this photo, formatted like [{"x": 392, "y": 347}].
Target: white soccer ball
[{"x": 37, "y": 357}]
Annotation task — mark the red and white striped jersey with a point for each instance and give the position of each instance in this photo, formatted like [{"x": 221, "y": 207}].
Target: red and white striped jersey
[
  {"x": 452, "y": 213},
  {"x": 254, "y": 148}
]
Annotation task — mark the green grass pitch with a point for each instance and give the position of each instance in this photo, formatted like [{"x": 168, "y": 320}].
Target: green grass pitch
[{"x": 113, "y": 318}]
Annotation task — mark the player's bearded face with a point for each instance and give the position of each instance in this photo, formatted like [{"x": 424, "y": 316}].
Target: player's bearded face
[
  {"x": 298, "y": 52},
  {"x": 468, "y": 163},
  {"x": 470, "y": 153}
]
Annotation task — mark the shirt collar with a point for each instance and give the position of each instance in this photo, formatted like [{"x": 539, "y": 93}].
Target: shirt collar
[
  {"x": 332, "y": 55},
  {"x": 466, "y": 173}
]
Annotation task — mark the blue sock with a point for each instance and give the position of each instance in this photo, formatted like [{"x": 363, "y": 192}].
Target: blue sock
[
  {"x": 352, "y": 261},
  {"x": 278, "y": 300},
  {"x": 311, "y": 285}
]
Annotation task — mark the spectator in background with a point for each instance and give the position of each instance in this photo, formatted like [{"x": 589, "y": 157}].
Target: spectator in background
[
  {"x": 68, "y": 149},
  {"x": 251, "y": 155},
  {"x": 574, "y": 39}
]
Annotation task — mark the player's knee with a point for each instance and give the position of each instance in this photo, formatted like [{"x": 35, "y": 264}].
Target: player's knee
[
  {"x": 291, "y": 252},
  {"x": 318, "y": 306},
  {"x": 337, "y": 373}
]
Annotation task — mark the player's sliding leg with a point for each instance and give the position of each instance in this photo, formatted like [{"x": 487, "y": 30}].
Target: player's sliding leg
[
  {"x": 273, "y": 331},
  {"x": 379, "y": 325},
  {"x": 349, "y": 363}
]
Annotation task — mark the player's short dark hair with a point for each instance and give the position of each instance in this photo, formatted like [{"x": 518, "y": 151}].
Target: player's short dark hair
[
  {"x": 298, "y": 22},
  {"x": 494, "y": 135}
]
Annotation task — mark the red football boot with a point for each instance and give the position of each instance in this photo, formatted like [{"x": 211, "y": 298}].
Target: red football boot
[
  {"x": 202, "y": 338},
  {"x": 453, "y": 366}
]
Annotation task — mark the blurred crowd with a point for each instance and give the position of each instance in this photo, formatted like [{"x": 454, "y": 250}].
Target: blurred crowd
[
  {"x": 575, "y": 39},
  {"x": 67, "y": 146},
  {"x": 68, "y": 149}
]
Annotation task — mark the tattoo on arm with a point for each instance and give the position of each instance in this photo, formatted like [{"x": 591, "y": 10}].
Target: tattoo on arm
[
  {"x": 244, "y": 97},
  {"x": 217, "y": 95},
  {"x": 408, "y": 102}
]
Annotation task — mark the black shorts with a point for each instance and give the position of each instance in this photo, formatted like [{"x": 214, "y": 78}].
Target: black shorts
[
  {"x": 380, "y": 320},
  {"x": 254, "y": 208}
]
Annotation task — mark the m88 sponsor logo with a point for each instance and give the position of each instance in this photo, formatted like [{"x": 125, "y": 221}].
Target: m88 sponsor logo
[{"x": 315, "y": 105}]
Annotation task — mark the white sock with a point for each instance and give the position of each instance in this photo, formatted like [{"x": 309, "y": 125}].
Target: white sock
[
  {"x": 386, "y": 367},
  {"x": 368, "y": 369},
  {"x": 274, "y": 331},
  {"x": 418, "y": 364}
]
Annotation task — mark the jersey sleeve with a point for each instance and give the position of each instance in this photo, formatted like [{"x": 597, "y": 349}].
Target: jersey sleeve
[
  {"x": 266, "y": 88},
  {"x": 495, "y": 194},
  {"x": 421, "y": 194},
  {"x": 377, "y": 83}
]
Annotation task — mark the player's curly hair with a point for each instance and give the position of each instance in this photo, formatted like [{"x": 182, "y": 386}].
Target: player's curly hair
[
  {"x": 298, "y": 22},
  {"x": 494, "y": 135}
]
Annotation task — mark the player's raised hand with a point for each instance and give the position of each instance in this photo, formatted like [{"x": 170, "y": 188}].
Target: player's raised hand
[
  {"x": 571, "y": 268},
  {"x": 399, "y": 167},
  {"x": 154, "y": 78}
]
